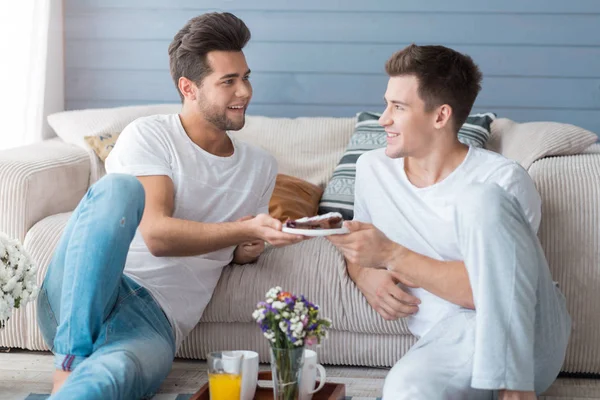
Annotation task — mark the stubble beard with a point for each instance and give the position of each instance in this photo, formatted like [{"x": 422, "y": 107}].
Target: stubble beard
[{"x": 219, "y": 119}]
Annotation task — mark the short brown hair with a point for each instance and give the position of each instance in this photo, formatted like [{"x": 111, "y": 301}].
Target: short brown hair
[
  {"x": 201, "y": 35},
  {"x": 445, "y": 76}
]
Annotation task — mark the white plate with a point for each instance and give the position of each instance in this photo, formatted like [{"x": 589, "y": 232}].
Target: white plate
[{"x": 316, "y": 232}]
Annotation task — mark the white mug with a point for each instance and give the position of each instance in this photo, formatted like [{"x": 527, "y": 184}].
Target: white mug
[
  {"x": 249, "y": 374},
  {"x": 309, "y": 376}
]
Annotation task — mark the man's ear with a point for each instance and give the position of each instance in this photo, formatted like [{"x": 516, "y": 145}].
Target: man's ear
[
  {"x": 187, "y": 88},
  {"x": 443, "y": 116}
]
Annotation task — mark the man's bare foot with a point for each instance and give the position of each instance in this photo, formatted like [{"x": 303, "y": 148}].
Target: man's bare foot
[
  {"x": 58, "y": 379},
  {"x": 516, "y": 395}
]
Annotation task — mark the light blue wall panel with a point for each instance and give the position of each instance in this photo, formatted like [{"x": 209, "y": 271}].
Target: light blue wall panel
[{"x": 540, "y": 58}]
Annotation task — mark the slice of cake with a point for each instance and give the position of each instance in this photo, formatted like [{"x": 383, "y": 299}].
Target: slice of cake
[{"x": 332, "y": 220}]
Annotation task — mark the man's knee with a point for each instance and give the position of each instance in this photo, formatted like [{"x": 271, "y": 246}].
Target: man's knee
[
  {"x": 120, "y": 190},
  {"x": 403, "y": 382}
]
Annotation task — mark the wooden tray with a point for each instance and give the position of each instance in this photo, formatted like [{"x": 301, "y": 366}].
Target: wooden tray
[{"x": 331, "y": 391}]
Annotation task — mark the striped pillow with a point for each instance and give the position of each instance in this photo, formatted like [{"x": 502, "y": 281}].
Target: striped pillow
[{"x": 369, "y": 135}]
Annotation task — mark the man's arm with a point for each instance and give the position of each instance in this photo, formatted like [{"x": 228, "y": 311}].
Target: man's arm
[
  {"x": 166, "y": 236},
  {"x": 446, "y": 279},
  {"x": 367, "y": 246},
  {"x": 380, "y": 288}
]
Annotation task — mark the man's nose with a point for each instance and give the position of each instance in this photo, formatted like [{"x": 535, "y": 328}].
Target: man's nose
[
  {"x": 384, "y": 120},
  {"x": 244, "y": 90}
]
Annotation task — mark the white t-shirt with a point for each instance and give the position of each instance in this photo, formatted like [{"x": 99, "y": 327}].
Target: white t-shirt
[
  {"x": 208, "y": 188},
  {"x": 422, "y": 219}
]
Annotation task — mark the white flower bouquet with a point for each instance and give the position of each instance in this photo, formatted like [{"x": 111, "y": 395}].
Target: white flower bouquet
[{"x": 17, "y": 277}]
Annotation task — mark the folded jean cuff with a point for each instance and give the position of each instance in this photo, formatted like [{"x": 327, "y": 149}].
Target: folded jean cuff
[{"x": 67, "y": 362}]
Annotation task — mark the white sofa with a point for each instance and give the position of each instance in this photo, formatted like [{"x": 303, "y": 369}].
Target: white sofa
[{"x": 41, "y": 184}]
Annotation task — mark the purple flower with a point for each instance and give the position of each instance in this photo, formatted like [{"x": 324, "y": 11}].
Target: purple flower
[{"x": 272, "y": 309}]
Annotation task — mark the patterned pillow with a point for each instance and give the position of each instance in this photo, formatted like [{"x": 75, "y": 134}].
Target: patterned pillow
[
  {"x": 369, "y": 135},
  {"x": 102, "y": 144}
]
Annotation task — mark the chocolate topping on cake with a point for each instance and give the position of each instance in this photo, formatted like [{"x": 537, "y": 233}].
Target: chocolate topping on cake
[{"x": 325, "y": 221}]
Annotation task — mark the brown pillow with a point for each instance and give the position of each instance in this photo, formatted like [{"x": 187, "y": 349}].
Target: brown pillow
[
  {"x": 102, "y": 144},
  {"x": 294, "y": 198}
]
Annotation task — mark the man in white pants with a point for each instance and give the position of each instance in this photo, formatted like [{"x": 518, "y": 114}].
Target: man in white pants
[{"x": 445, "y": 235}]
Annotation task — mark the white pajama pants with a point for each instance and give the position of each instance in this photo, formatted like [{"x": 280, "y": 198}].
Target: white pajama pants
[{"x": 517, "y": 336}]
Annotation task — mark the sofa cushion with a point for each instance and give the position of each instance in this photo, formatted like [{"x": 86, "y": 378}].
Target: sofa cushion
[
  {"x": 102, "y": 144},
  {"x": 314, "y": 268},
  {"x": 530, "y": 141},
  {"x": 294, "y": 198},
  {"x": 370, "y": 135},
  {"x": 73, "y": 126},
  {"x": 307, "y": 147}
]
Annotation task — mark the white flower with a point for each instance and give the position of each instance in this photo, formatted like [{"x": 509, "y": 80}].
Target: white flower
[
  {"x": 269, "y": 334},
  {"x": 283, "y": 326},
  {"x": 278, "y": 305},
  {"x": 17, "y": 277},
  {"x": 258, "y": 315},
  {"x": 273, "y": 292}
]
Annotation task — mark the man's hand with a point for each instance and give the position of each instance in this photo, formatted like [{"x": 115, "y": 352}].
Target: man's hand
[
  {"x": 381, "y": 291},
  {"x": 248, "y": 252},
  {"x": 365, "y": 245},
  {"x": 268, "y": 229}
]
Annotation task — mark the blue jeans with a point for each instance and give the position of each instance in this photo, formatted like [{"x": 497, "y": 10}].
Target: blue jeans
[{"x": 100, "y": 324}]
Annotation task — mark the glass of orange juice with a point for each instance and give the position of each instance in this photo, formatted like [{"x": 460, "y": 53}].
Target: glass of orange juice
[{"x": 225, "y": 375}]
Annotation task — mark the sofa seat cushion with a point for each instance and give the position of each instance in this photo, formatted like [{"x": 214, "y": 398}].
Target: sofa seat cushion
[
  {"x": 340, "y": 348},
  {"x": 313, "y": 268},
  {"x": 22, "y": 329}
]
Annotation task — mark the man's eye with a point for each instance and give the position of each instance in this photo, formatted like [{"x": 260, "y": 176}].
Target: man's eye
[
  {"x": 247, "y": 78},
  {"x": 228, "y": 81},
  {"x": 399, "y": 108}
]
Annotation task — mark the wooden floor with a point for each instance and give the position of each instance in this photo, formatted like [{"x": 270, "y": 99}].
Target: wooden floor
[
  {"x": 23, "y": 372},
  {"x": 31, "y": 372}
]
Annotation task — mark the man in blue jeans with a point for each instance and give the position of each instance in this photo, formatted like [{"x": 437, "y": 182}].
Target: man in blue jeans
[{"x": 143, "y": 251}]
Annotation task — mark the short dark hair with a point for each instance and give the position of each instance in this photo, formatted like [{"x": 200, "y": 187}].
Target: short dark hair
[
  {"x": 445, "y": 76},
  {"x": 201, "y": 35}
]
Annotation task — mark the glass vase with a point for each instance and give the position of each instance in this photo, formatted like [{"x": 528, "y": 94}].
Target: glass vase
[{"x": 286, "y": 368}]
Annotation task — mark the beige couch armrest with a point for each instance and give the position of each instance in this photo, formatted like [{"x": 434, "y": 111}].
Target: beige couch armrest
[
  {"x": 40, "y": 180},
  {"x": 570, "y": 235}
]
